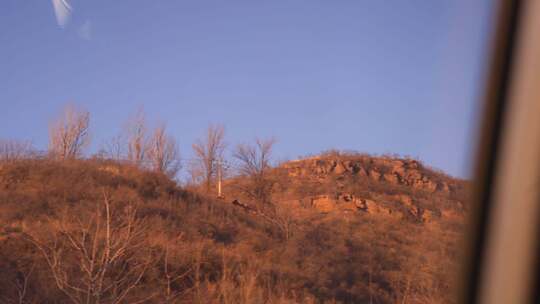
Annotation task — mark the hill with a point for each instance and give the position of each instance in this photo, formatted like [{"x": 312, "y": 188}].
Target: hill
[
  {"x": 343, "y": 229},
  {"x": 356, "y": 183}
]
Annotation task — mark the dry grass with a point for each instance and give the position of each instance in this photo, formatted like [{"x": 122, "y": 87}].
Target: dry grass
[{"x": 194, "y": 249}]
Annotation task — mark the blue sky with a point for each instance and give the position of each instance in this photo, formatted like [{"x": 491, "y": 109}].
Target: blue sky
[{"x": 378, "y": 76}]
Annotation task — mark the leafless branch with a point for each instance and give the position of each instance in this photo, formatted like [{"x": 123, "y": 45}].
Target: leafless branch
[
  {"x": 136, "y": 138},
  {"x": 68, "y": 135},
  {"x": 100, "y": 260},
  {"x": 163, "y": 152},
  {"x": 255, "y": 164},
  {"x": 209, "y": 152},
  {"x": 11, "y": 150}
]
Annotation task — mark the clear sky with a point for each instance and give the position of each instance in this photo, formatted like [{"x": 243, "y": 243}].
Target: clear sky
[{"x": 375, "y": 76}]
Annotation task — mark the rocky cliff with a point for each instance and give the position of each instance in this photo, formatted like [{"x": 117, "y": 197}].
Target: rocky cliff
[{"x": 396, "y": 188}]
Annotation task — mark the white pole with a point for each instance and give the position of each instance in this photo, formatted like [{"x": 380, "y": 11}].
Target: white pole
[{"x": 219, "y": 179}]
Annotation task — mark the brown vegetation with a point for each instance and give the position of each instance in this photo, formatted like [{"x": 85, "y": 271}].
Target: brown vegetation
[
  {"x": 117, "y": 228},
  {"x": 98, "y": 231}
]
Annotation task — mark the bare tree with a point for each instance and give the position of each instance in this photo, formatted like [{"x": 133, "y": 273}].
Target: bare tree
[
  {"x": 281, "y": 217},
  {"x": 136, "y": 138},
  {"x": 11, "y": 150},
  {"x": 114, "y": 148},
  {"x": 21, "y": 287},
  {"x": 195, "y": 172},
  {"x": 68, "y": 135},
  {"x": 255, "y": 164},
  {"x": 173, "y": 271},
  {"x": 100, "y": 259},
  {"x": 163, "y": 152},
  {"x": 209, "y": 152}
]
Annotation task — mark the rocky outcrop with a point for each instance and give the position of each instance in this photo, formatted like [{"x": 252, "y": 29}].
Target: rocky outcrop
[
  {"x": 451, "y": 214},
  {"x": 404, "y": 199},
  {"x": 391, "y": 178},
  {"x": 405, "y": 172},
  {"x": 385, "y": 187},
  {"x": 323, "y": 203},
  {"x": 351, "y": 204},
  {"x": 374, "y": 175},
  {"x": 375, "y": 208}
]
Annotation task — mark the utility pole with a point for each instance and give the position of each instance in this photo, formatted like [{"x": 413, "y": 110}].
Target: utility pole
[{"x": 219, "y": 176}]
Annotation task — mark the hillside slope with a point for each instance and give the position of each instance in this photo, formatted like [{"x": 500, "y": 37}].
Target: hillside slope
[
  {"x": 361, "y": 184},
  {"x": 355, "y": 234}
]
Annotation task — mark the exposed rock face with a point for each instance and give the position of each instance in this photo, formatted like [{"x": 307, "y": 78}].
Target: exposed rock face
[
  {"x": 394, "y": 171},
  {"x": 372, "y": 207},
  {"x": 350, "y": 203},
  {"x": 374, "y": 175},
  {"x": 451, "y": 214},
  {"x": 384, "y": 187},
  {"x": 323, "y": 203},
  {"x": 404, "y": 199},
  {"x": 421, "y": 214},
  {"x": 340, "y": 168},
  {"x": 328, "y": 203},
  {"x": 425, "y": 215},
  {"x": 391, "y": 178}
]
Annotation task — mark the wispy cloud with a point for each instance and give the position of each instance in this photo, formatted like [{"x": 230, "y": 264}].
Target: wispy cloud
[
  {"x": 85, "y": 31},
  {"x": 62, "y": 10}
]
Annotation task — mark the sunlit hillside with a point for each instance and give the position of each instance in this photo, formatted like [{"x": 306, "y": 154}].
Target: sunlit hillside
[{"x": 337, "y": 228}]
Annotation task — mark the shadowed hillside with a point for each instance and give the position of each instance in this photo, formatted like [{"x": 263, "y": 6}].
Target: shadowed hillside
[{"x": 337, "y": 228}]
